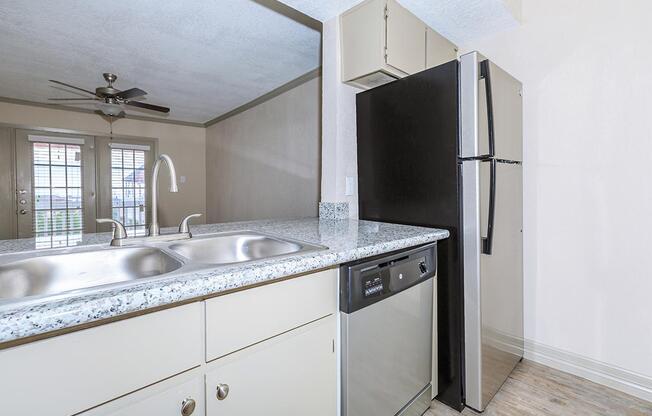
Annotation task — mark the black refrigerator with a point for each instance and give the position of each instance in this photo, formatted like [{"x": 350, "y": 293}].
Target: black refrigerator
[{"x": 443, "y": 148}]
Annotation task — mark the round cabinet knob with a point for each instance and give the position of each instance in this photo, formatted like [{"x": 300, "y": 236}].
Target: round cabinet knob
[
  {"x": 188, "y": 407},
  {"x": 222, "y": 391}
]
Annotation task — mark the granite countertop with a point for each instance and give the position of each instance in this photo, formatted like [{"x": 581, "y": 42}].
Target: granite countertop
[{"x": 347, "y": 240}]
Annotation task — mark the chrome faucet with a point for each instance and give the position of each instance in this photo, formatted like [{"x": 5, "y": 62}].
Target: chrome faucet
[
  {"x": 119, "y": 231},
  {"x": 154, "y": 229}
]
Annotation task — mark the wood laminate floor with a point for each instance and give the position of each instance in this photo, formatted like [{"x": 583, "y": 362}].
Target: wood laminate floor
[{"x": 536, "y": 390}]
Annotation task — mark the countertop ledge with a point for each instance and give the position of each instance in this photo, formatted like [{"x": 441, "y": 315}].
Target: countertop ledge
[{"x": 347, "y": 240}]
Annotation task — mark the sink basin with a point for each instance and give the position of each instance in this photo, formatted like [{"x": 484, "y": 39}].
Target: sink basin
[
  {"x": 238, "y": 247},
  {"x": 46, "y": 275}
]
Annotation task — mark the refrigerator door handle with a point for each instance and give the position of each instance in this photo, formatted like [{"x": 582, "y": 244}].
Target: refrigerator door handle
[
  {"x": 487, "y": 242},
  {"x": 485, "y": 73}
]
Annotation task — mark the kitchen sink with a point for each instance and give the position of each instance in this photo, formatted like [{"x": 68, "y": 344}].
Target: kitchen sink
[
  {"x": 27, "y": 274},
  {"x": 238, "y": 247},
  {"x": 51, "y": 274}
]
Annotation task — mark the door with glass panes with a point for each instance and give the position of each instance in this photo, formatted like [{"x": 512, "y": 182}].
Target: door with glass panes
[
  {"x": 65, "y": 181},
  {"x": 55, "y": 187},
  {"x": 124, "y": 182}
]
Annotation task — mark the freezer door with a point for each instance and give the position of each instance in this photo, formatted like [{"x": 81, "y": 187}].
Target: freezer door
[
  {"x": 491, "y": 110},
  {"x": 493, "y": 283}
]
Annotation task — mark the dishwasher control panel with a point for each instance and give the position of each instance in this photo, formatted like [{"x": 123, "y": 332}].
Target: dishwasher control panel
[
  {"x": 366, "y": 282},
  {"x": 373, "y": 286}
]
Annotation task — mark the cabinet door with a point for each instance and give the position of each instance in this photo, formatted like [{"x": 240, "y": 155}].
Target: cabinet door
[
  {"x": 363, "y": 39},
  {"x": 406, "y": 39},
  {"x": 177, "y": 396},
  {"x": 292, "y": 374},
  {"x": 439, "y": 50},
  {"x": 74, "y": 372}
]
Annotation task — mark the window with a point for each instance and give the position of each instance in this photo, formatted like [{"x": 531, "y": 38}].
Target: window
[
  {"x": 57, "y": 188},
  {"x": 128, "y": 202}
]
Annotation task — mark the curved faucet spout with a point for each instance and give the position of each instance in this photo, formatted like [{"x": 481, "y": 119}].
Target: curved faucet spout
[
  {"x": 154, "y": 228},
  {"x": 173, "y": 172}
]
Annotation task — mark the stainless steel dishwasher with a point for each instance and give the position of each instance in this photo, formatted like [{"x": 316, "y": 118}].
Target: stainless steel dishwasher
[{"x": 386, "y": 322}]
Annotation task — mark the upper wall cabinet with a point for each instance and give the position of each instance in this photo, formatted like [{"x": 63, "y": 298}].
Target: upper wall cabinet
[
  {"x": 382, "y": 41},
  {"x": 439, "y": 50}
]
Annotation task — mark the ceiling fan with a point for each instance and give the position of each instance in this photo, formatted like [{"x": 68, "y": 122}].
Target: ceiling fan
[{"x": 110, "y": 100}]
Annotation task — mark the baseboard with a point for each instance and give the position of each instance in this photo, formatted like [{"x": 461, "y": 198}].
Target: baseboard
[{"x": 629, "y": 382}]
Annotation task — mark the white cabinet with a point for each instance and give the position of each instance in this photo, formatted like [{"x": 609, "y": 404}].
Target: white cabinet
[
  {"x": 439, "y": 50},
  {"x": 291, "y": 374},
  {"x": 244, "y": 318},
  {"x": 71, "y": 373},
  {"x": 405, "y": 40},
  {"x": 182, "y": 395},
  {"x": 274, "y": 345},
  {"x": 382, "y": 41}
]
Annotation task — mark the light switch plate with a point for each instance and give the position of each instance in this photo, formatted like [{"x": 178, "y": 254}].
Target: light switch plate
[{"x": 350, "y": 185}]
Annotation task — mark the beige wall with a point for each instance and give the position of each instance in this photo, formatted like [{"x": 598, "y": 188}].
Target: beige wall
[
  {"x": 265, "y": 161},
  {"x": 186, "y": 145}
]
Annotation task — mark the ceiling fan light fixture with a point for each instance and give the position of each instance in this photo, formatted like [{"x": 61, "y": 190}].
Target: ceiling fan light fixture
[
  {"x": 110, "y": 109},
  {"x": 111, "y": 99}
]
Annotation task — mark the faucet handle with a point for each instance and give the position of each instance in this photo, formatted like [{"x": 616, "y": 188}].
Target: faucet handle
[
  {"x": 183, "y": 226},
  {"x": 119, "y": 232}
]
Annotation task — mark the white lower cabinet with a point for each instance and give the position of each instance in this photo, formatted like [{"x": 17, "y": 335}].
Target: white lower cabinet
[
  {"x": 275, "y": 343},
  {"x": 291, "y": 374},
  {"x": 71, "y": 373},
  {"x": 245, "y": 318},
  {"x": 182, "y": 395}
]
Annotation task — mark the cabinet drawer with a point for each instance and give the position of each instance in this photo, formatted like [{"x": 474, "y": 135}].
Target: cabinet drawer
[
  {"x": 240, "y": 319},
  {"x": 74, "y": 372},
  {"x": 293, "y": 374},
  {"x": 166, "y": 398}
]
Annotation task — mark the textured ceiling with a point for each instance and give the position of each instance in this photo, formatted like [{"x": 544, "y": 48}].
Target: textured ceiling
[
  {"x": 461, "y": 21},
  {"x": 202, "y": 58},
  {"x": 321, "y": 9}
]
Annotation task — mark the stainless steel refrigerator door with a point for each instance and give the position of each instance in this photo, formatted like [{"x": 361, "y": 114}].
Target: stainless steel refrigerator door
[
  {"x": 506, "y": 109},
  {"x": 493, "y": 284}
]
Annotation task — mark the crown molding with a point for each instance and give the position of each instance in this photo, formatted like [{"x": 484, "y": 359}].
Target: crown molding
[
  {"x": 87, "y": 111},
  {"x": 310, "y": 75},
  {"x": 292, "y": 13}
]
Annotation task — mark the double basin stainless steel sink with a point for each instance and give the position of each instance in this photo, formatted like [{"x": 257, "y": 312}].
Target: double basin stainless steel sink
[{"x": 41, "y": 274}]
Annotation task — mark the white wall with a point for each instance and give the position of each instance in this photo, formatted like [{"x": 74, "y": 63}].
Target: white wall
[
  {"x": 339, "y": 157},
  {"x": 586, "y": 70},
  {"x": 265, "y": 161},
  {"x": 186, "y": 145}
]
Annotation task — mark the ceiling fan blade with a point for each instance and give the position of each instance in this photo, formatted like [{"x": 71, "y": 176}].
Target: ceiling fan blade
[
  {"x": 148, "y": 106},
  {"x": 131, "y": 93},
  {"x": 72, "y": 86},
  {"x": 72, "y": 99}
]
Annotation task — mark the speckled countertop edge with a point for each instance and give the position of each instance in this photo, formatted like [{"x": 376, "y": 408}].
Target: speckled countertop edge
[{"x": 347, "y": 240}]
